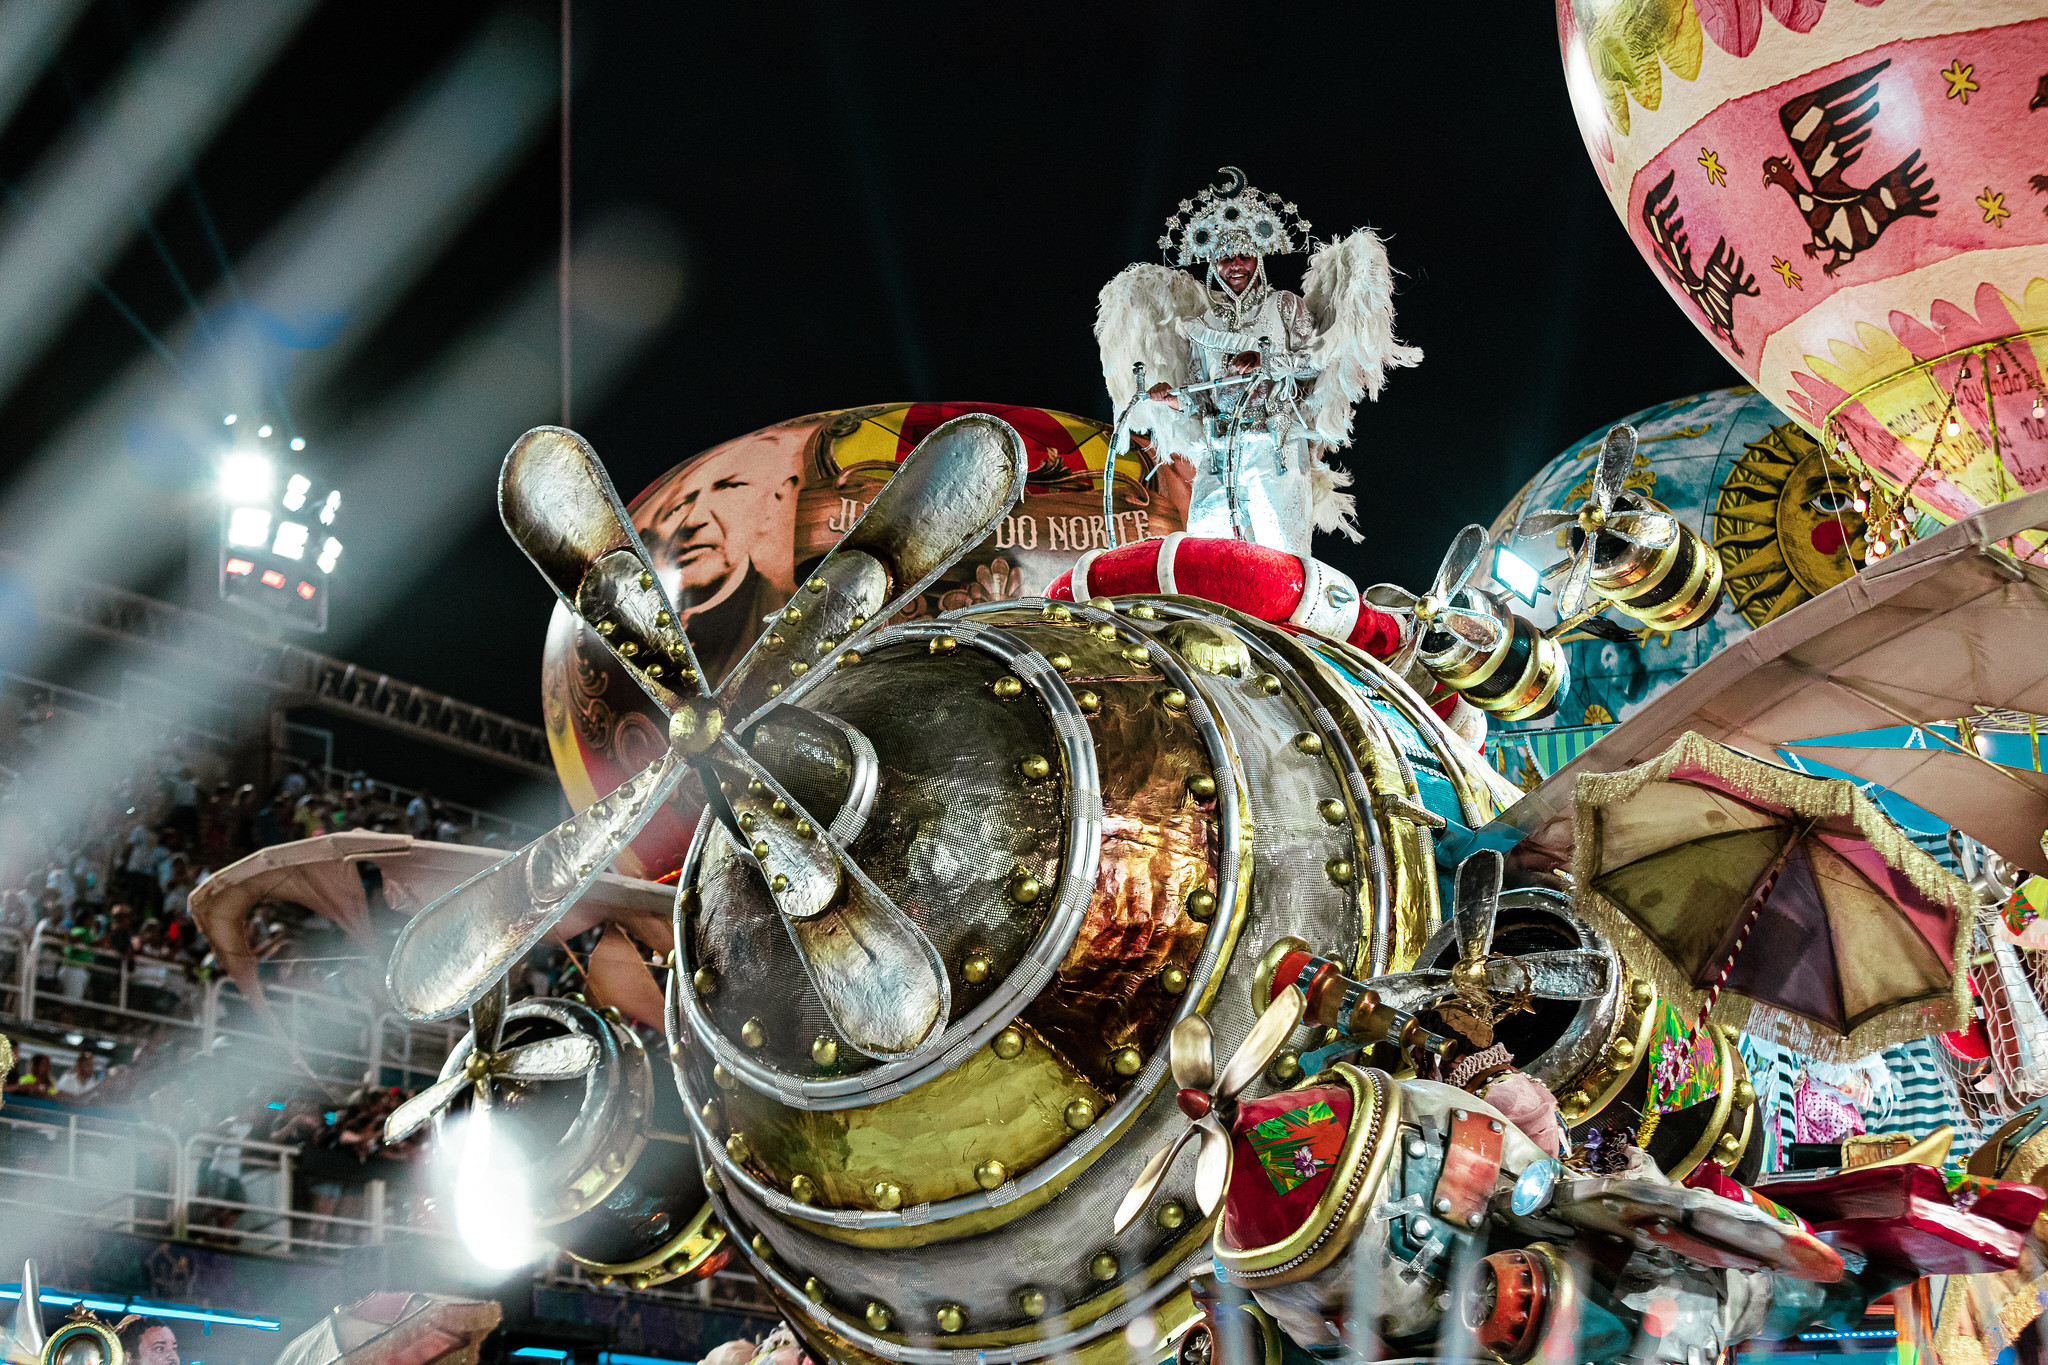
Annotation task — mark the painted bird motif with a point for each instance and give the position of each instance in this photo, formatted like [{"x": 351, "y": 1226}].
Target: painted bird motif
[
  {"x": 1717, "y": 287},
  {"x": 1827, "y": 128}
]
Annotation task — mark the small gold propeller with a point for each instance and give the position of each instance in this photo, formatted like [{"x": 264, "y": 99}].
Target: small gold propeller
[
  {"x": 1607, "y": 511},
  {"x": 551, "y": 1059}
]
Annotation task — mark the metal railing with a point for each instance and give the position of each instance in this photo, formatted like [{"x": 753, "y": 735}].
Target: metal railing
[
  {"x": 310, "y": 678},
  {"x": 335, "y": 782},
  {"x": 337, "y": 1037}
]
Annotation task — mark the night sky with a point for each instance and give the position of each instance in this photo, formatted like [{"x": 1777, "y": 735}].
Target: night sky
[{"x": 921, "y": 202}]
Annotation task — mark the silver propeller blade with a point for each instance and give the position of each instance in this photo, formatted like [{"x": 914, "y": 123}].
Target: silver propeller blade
[
  {"x": 1459, "y": 562},
  {"x": 1478, "y": 897},
  {"x": 1262, "y": 1043},
  {"x": 1545, "y": 523},
  {"x": 1651, "y": 530},
  {"x": 551, "y": 1059},
  {"x": 1212, "y": 1164},
  {"x": 1148, "y": 1180},
  {"x": 1617, "y": 457},
  {"x": 1578, "y": 583},
  {"x": 1192, "y": 1051},
  {"x": 457, "y": 947},
  {"x": 410, "y": 1117},
  {"x": 1391, "y": 597},
  {"x": 1480, "y": 631},
  {"x": 487, "y": 1017},
  {"x": 1561, "y": 974},
  {"x": 24, "y": 1335}
]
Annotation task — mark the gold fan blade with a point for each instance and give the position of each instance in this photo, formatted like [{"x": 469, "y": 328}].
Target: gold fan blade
[{"x": 1148, "y": 1180}]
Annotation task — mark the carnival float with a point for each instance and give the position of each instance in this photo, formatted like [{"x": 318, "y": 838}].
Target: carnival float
[{"x": 1044, "y": 912}]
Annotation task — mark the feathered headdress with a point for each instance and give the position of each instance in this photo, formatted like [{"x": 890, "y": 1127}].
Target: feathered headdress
[{"x": 1232, "y": 219}]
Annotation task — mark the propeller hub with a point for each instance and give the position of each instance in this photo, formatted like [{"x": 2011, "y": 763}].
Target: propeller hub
[
  {"x": 477, "y": 1067},
  {"x": 1427, "y": 606},
  {"x": 695, "y": 726},
  {"x": 1196, "y": 1104},
  {"x": 1591, "y": 518},
  {"x": 1470, "y": 973}
]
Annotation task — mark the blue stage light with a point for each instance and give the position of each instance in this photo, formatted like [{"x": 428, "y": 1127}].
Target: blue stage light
[{"x": 58, "y": 1298}]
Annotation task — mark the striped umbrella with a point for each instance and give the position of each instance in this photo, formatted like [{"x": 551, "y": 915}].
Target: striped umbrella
[{"x": 1785, "y": 905}]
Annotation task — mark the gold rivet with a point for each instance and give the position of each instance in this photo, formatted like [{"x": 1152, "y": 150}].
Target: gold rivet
[
  {"x": 1060, "y": 662},
  {"x": 752, "y": 1034},
  {"x": 799, "y": 668},
  {"x": 1745, "y": 1094},
  {"x": 1269, "y": 684},
  {"x": 1103, "y": 1266},
  {"x": 1309, "y": 744},
  {"x": 826, "y": 646},
  {"x": 1024, "y": 888},
  {"x": 1173, "y": 980},
  {"x": 1640, "y": 993},
  {"x": 761, "y": 1247},
  {"x": 713, "y": 1181},
  {"x": 662, "y": 618},
  {"x": 816, "y": 585},
  {"x": 1145, "y": 612},
  {"x": 814, "y": 1289},
  {"x": 779, "y": 807},
  {"x": 1126, "y": 1061},
  {"x": 1079, "y": 1114},
  {"x": 1089, "y": 702},
  {"x": 629, "y": 649},
  {"x": 991, "y": 1173},
  {"x": 888, "y": 1195},
  {"x": 778, "y": 883},
  {"x": 760, "y": 848},
  {"x": 607, "y": 627},
  {"x": 601, "y": 1281},
  {"x": 774, "y": 689},
  {"x": 1286, "y": 1068},
  {"x": 1623, "y": 1049},
  {"x": 1201, "y": 903},
  {"x": 1008, "y": 1043},
  {"x": 687, "y": 902},
  {"x": 722, "y": 1078},
  {"x": 1031, "y": 1302},
  {"x": 1008, "y": 688},
  {"x": 1172, "y": 1214},
  {"x": 653, "y": 670},
  {"x": 736, "y": 1147},
  {"x": 792, "y": 615},
  {"x": 746, "y": 820},
  {"x": 877, "y": 1317},
  {"x": 774, "y": 638},
  {"x": 804, "y": 830},
  {"x": 857, "y": 622},
  {"x": 709, "y": 1113},
  {"x": 1137, "y": 656},
  {"x": 1107, "y": 630},
  {"x": 974, "y": 970},
  {"x": 950, "y": 1318},
  {"x": 943, "y": 644},
  {"x": 803, "y": 1189},
  {"x": 1058, "y": 613},
  {"x": 1035, "y": 767},
  {"x": 1574, "y": 1103},
  {"x": 849, "y": 658},
  {"x": 1201, "y": 786},
  {"x": 704, "y": 981},
  {"x": 646, "y": 579},
  {"x": 824, "y": 1051},
  {"x": 1331, "y": 809},
  {"x": 686, "y": 675},
  {"x": 1173, "y": 699},
  {"x": 1340, "y": 870},
  {"x": 755, "y": 787},
  {"x": 1729, "y": 1144},
  {"x": 639, "y": 1279}
]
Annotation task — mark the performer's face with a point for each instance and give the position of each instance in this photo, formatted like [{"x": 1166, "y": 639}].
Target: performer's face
[
  {"x": 709, "y": 520},
  {"x": 1237, "y": 271}
]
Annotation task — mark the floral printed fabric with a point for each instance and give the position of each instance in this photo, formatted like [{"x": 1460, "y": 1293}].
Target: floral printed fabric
[{"x": 1296, "y": 1146}]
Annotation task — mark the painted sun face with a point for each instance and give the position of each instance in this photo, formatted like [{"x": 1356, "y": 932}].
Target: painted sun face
[{"x": 1785, "y": 525}]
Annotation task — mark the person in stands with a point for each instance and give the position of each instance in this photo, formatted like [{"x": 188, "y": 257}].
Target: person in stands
[
  {"x": 148, "y": 1341},
  {"x": 81, "y": 1080},
  {"x": 35, "y": 1081}
]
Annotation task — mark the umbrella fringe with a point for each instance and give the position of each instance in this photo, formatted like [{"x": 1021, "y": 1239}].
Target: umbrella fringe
[{"x": 1815, "y": 797}]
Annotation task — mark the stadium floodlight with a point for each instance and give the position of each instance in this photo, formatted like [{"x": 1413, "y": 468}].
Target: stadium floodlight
[
  {"x": 248, "y": 526},
  {"x": 295, "y": 491},
  {"x": 247, "y": 478},
  {"x": 330, "y": 507},
  {"x": 330, "y": 554},
  {"x": 291, "y": 540},
  {"x": 1517, "y": 575}
]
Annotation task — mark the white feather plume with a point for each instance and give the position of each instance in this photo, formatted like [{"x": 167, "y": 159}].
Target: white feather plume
[
  {"x": 1136, "y": 319},
  {"x": 1335, "y": 510},
  {"x": 1350, "y": 292}
]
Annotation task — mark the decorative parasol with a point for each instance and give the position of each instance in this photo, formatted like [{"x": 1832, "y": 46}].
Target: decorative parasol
[
  {"x": 393, "y": 1328},
  {"x": 1785, "y": 905}
]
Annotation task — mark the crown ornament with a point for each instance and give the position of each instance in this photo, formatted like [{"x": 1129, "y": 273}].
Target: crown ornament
[{"x": 1233, "y": 219}]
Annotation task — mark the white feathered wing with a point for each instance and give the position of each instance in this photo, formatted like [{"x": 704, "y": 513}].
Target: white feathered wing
[{"x": 1136, "y": 319}]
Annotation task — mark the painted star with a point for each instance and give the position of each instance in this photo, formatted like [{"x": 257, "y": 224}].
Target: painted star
[
  {"x": 1710, "y": 162},
  {"x": 1787, "y": 273},
  {"x": 1994, "y": 207},
  {"x": 1959, "y": 83}
]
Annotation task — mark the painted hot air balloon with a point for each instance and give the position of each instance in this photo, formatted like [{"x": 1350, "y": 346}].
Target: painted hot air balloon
[{"x": 1851, "y": 201}]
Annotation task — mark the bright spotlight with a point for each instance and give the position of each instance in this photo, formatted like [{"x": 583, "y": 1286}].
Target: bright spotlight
[
  {"x": 264, "y": 431},
  {"x": 1517, "y": 575},
  {"x": 330, "y": 553},
  {"x": 291, "y": 540},
  {"x": 330, "y": 507},
  {"x": 247, "y": 478},
  {"x": 248, "y": 526},
  {"x": 298, "y": 443},
  {"x": 228, "y": 420},
  {"x": 492, "y": 1213},
  {"x": 295, "y": 491}
]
